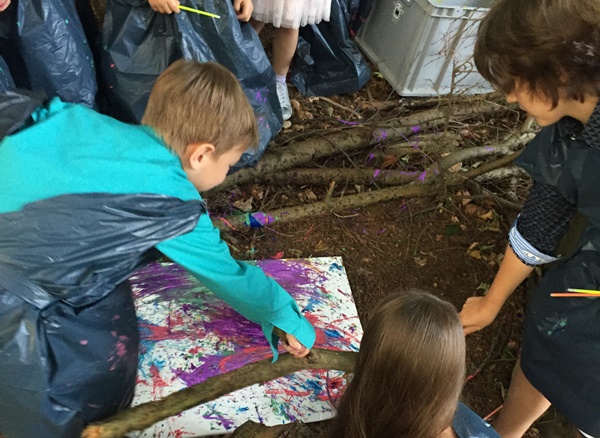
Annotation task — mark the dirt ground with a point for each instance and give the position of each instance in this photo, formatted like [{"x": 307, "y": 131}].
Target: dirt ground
[
  {"x": 418, "y": 244},
  {"x": 444, "y": 244}
]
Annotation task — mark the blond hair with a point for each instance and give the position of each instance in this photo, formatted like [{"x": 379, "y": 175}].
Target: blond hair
[
  {"x": 193, "y": 102},
  {"x": 409, "y": 372}
]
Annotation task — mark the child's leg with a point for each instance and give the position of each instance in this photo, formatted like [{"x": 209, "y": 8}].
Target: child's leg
[
  {"x": 257, "y": 25},
  {"x": 284, "y": 46},
  {"x": 523, "y": 405}
]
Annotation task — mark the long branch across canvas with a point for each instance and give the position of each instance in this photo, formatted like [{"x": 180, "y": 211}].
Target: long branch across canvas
[{"x": 189, "y": 335}]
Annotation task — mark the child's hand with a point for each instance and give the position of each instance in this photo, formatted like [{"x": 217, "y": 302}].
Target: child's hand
[
  {"x": 4, "y": 4},
  {"x": 294, "y": 347},
  {"x": 164, "y": 6},
  {"x": 243, "y": 9},
  {"x": 477, "y": 313}
]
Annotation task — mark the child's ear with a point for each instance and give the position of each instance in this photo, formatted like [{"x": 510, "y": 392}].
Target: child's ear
[{"x": 195, "y": 154}]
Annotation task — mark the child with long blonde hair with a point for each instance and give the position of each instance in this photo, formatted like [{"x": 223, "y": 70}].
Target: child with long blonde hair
[{"x": 409, "y": 375}]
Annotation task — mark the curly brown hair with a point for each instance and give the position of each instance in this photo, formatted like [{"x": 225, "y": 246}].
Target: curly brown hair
[{"x": 552, "y": 46}]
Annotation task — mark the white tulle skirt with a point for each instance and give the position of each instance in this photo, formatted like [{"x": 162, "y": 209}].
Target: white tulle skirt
[{"x": 291, "y": 14}]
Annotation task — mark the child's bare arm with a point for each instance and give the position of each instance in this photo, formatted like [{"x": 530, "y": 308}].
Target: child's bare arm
[
  {"x": 4, "y": 4},
  {"x": 479, "y": 312},
  {"x": 164, "y": 6}
]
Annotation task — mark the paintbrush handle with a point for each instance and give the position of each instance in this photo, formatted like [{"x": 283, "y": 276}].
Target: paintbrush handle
[
  {"x": 198, "y": 11},
  {"x": 573, "y": 295},
  {"x": 584, "y": 291}
]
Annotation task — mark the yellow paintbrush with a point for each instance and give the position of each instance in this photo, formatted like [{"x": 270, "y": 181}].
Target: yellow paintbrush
[{"x": 198, "y": 11}]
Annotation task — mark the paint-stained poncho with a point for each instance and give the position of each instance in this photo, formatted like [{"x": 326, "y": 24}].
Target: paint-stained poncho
[
  {"x": 561, "y": 343},
  {"x": 85, "y": 200}
]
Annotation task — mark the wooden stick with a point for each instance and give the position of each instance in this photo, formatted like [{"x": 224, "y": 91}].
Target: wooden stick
[
  {"x": 145, "y": 415},
  {"x": 337, "y": 105}
]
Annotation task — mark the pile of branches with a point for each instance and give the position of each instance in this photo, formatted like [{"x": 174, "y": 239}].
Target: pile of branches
[{"x": 419, "y": 154}]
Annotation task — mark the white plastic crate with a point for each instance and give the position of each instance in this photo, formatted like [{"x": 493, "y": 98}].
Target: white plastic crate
[{"x": 425, "y": 47}]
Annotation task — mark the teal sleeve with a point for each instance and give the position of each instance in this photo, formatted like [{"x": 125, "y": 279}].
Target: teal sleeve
[{"x": 243, "y": 286}]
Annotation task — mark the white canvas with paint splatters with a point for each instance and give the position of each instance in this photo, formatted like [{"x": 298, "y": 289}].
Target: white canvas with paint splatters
[{"x": 188, "y": 335}]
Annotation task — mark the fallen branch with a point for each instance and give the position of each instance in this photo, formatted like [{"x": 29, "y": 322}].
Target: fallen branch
[
  {"x": 145, "y": 415},
  {"x": 485, "y": 168},
  {"x": 502, "y": 173},
  {"x": 251, "y": 429},
  {"x": 427, "y": 183},
  {"x": 484, "y": 151},
  {"x": 256, "y": 430},
  {"x": 424, "y": 144},
  {"x": 385, "y": 178},
  {"x": 299, "y": 153},
  {"x": 341, "y": 176},
  {"x": 333, "y": 205}
]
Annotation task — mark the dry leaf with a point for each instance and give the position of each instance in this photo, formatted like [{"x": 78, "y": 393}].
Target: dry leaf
[
  {"x": 329, "y": 111},
  {"x": 465, "y": 197},
  {"x": 389, "y": 161},
  {"x": 420, "y": 261},
  {"x": 488, "y": 215},
  {"x": 472, "y": 209},
  {"x": 257, "y": 191},
  {"x": 321, "y": 246},
  {"x": 307, "y": 195},
  {"x": 243, "y": 205},
  {"x": 287, "y": 124},
  {"x": 473, "y": 245},
  {"x": 295, "y": 105},
  {"x": 438, "y": 237},
  {"x": 475, "y": 254},
  {"x": 305, "y": 115},
  {"x": 295, "y": 252},
  {"x": 455, "y": 168}
]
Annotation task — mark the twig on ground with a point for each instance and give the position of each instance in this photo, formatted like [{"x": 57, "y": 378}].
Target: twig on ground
[{"x": 337, "y": 105}]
